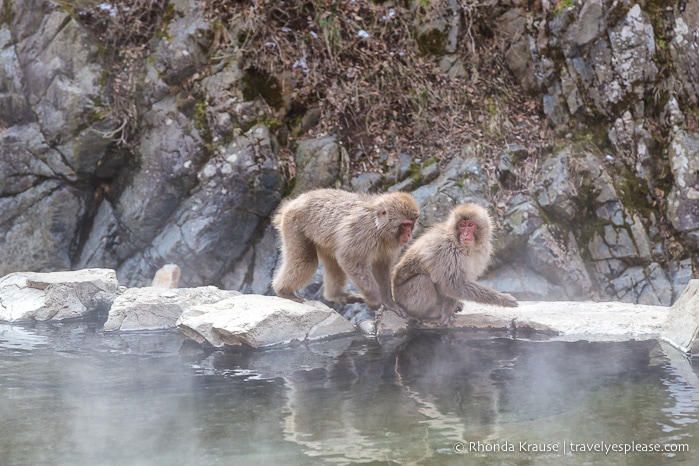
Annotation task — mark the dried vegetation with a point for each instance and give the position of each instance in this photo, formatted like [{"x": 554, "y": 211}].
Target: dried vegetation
[{"x": 368, "y": 69}]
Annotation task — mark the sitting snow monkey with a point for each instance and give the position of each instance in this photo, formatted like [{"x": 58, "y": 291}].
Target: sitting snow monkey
[{"x": 440, "y": 268}]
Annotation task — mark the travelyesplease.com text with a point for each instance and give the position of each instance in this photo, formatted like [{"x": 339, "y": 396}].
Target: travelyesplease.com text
[{"x": 565, "y": 447}]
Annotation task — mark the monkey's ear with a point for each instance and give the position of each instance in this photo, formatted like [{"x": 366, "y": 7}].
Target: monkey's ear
[{"x": 381, "y": 210}]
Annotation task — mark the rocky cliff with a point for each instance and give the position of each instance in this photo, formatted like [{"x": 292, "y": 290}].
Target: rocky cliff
[{"x": 139, "y": 133}]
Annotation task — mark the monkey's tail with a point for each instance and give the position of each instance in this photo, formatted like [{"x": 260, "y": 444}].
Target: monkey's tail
[{"x": 278, "y": 214}]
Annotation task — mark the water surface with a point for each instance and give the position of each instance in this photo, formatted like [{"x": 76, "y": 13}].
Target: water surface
[{"x": 71, "y": 395}]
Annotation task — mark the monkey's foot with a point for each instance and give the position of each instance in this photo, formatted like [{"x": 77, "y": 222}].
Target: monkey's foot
[
  {"x": 354, "y": 298},
  {"x": 291, "y": 296},
  {"x": 345, "y": 298},
  {"x": 447, "y": 319},
  {"x": 397, "y": 309}
]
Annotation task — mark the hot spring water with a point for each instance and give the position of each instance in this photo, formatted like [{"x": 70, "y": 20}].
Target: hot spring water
[{"x": 71, "y": 395}]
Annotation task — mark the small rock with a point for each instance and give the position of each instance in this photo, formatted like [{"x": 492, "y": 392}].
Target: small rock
[{"x": 167, "y": 276}]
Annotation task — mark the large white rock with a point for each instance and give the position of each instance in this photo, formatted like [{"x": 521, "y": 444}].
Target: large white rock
[
  {"x": 682, "y": 325},
  {"x": 30, "y": 296},
  {"x": 569, "y": 320},
  {"x": 155, "y": 308},
  {"x": 260, "y": 321}
]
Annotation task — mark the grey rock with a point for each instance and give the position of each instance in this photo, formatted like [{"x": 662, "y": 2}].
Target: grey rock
[
  {"x": 567, "y": 320},
  {"x": 556, "y": 256},
  {"x": 659, "y": 289},
  {"x": 427, "y": 174},
  {"x": 404, "y": 165},
  {"x": 512, "y": 24},
  {"x": 613, "y": 211},
  {"x": 681, "y": 327},
  {"x": 171, "y": 153},
  {"x": 590, "y": 23},
  {"x": 554, "y": 106},
  {"x": 26, "y": 159},
  {"x": 253, "y": 272},
  {"x": 211, "y": 229},
  {"x": 558, "y": 191},
  {"x": 365, "y": 182},
  {"x": 62, "y": 71},
  {"x": 320, "y": 163},
  {"x": 604, "y": 88},
  {"x": 569, "y": 89},
  {"x": 29, "y": 296},
  {"x": 644, "y": 285},
  {"x": 462, "y": 180},
  {"x": 237, "y": 278},
  {"x": 684, "y": 52},
  {"x": 633, "y": 45},
  {"x": 182, "y": 49},
  {"x": 261, "y": 321},
  {"x": 619, "y": 242},
  {"x": 519, "y": 222},
  {"x": 198, "y": 187},
  {"x": 523, "y": 283},
  {"x": 640, "y": 238},
  {"x": 104, "y": 237},
  {"x": 681, "y": 276},
  {"x": 153, "y": 308},
  {"x": 632, "y": 142},
  {"x": 510, "y": 158},
  {"x": 38, "y": 227},
  {"x": 14, "y": 108},
  {"x": 683, "y": 200}
]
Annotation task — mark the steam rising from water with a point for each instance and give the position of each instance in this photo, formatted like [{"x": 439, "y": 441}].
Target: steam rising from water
[{"x": 72, "y": 395}]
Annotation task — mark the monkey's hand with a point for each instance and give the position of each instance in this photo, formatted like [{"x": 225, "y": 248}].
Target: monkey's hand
[
  {"x": 447, "y": 318},
  {"x": 393, "y": 307},
  {"x": 353, "y": 298},
  {"x": 508, "y": 300}
]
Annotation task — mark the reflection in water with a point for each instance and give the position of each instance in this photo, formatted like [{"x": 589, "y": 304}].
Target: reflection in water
[{"x": 70, "y": 394}]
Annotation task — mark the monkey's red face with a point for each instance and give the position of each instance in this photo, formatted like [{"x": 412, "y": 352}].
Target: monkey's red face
[
  {"x": 406, "y": 231},
  {"x": 467, "y": 231}
]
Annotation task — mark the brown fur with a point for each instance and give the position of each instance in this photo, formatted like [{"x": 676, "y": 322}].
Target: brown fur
[
  {"x": 437, "y": 270},
  {"x": 355, "y": 235}
]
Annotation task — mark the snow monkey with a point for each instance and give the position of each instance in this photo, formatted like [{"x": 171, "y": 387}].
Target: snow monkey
[
  {"x": 440, "y": 268},
  {"x": 354, "y": 235}
]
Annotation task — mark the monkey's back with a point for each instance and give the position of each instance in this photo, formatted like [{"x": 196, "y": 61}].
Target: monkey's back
[{"x": 323, "y": 216}]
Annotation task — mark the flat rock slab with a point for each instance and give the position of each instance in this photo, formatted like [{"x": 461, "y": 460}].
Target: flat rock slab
[
  {"x": 569, "y": 320},
  {"x": 30, "y": 296},
  {"x": 682, "y": 325},
  {"x": 573, "y": 319},
  {"x": 261, "y": 321},
  {"x": 155, "y": 308}
]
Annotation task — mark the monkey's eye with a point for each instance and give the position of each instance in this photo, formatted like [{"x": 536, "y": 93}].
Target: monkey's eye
[{"x": 471, "y": 224}]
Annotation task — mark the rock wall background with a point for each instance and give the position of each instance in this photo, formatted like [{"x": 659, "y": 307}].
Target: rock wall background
[{"x": 134, "y": 134}]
